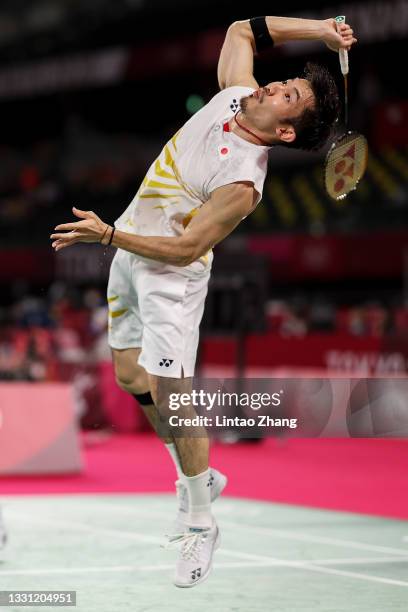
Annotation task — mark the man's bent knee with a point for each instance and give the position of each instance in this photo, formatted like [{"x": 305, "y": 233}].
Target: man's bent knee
[{"x": 130, "y": 376}]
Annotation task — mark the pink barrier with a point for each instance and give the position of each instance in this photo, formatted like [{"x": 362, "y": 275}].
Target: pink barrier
[
  {"x": 119, "y": 407},
  {"x": 38, "y": 429}
]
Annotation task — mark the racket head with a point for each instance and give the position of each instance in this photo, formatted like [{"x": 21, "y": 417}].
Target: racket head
[{"x": 345, "y": 165}]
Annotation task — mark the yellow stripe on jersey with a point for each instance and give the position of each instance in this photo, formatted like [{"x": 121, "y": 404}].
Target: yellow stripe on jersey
[
  {"x": 162, "y": 173},
  {"x": 169, "y": 161},
  {"x": 113, "y": 298},
  {"x": 117, "y": 313},
  {"x": 189, "y": 216},
  {"x": 158, "y": 185},
  {"x": 157, "y": 195},
  {"x": 173, "y": 140},
  {"x": 149, "y": 183}
]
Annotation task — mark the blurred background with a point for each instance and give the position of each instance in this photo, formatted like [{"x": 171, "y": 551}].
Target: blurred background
[
  {"x": 89, "y": 93},
  {"x": 90, "y": 90}
]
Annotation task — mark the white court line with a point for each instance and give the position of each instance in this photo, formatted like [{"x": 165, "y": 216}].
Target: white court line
[
  {"x": 133, "y": 535},
  {"x": 165, "y": 567},
  {"x": 259, "y": 530},
  {"x": 265, "y": 561},
  {"x": 356, "y": 560},
  {"x": 290, "y": 535},
  {"x": 115, "y": 569},
  {"x": 155, "y": 568},
  {"x": 280, "y": 533},
  {"x": 335, "y": 572}
]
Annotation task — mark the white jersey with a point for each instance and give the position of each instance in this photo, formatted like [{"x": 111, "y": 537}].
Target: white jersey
[{"x": 200, "y": 157}]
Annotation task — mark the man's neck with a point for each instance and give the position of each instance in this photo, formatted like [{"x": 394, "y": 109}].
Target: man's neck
[{"x": 235, "y": 127}]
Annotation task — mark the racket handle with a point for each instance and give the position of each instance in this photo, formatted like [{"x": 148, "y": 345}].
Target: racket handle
[{"x": 343, "y": 54}]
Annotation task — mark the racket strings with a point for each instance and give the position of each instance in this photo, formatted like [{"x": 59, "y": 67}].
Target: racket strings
[{"x": 345, "y": 165}]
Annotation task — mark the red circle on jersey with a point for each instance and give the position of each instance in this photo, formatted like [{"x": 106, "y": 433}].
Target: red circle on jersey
[{"x": 224, "y": 151}]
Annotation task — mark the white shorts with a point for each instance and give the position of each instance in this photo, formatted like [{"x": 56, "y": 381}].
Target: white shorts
[{"x": 157, "y": 308}]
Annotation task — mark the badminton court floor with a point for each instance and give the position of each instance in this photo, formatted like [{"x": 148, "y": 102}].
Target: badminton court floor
[{"x": 273, "y": 557}]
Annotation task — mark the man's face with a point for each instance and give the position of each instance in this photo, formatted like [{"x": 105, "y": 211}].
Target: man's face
[{"x": 269, "y": 107}]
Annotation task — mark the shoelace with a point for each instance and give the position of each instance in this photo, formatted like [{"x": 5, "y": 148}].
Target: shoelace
[{"x": 191, "y": 544}]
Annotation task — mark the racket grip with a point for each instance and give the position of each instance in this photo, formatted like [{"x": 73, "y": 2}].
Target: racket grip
[
  {"x": 343, "y": 54},
  {"x": 344, "y": 64}
]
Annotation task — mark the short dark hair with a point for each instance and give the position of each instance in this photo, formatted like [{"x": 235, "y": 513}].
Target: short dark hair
[{"x": 314, "y": 126}]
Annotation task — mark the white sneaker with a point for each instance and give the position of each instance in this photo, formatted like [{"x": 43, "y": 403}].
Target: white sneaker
[
  {"x": 216, "y": 481},
  {"x": 195, "y": 561}
]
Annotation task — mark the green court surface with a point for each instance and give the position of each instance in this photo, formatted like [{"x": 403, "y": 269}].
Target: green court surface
[{"x": 273, "y": 557}]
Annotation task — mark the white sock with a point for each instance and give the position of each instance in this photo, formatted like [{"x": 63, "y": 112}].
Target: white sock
[
  {"x": 176, "y": 460},
  {"x": 199, "y": 494}
]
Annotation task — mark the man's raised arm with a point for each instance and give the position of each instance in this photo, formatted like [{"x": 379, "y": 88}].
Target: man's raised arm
[
  {"x": 213, "y": 222},
  {"x": 245, "y": 38}
]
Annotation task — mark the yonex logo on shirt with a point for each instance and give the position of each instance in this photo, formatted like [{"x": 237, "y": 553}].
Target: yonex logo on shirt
[{"x": 234, "y": 106}]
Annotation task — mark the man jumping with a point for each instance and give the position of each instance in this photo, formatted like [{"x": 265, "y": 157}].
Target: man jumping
[{"x": 207, "y": 178}]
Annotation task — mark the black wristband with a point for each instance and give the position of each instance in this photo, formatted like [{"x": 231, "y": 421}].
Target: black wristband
[
  {"x": 104, "y": 234},
  {"x": 111, "y": 236},
  {"x": 263, "y": 39}
]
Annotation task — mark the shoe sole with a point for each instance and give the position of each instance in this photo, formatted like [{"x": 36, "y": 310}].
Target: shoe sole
[{"x": 208, "y": 572}]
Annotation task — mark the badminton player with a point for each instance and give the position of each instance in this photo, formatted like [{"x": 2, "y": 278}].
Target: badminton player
[{"x": 206, "y": 180}]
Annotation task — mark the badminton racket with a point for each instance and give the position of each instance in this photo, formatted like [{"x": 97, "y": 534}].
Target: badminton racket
[{"x": 346, "y": 161}]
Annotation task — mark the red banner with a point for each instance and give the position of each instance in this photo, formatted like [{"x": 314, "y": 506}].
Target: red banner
[
  {"x": 342, "y": 353},
  {"x": 296, "y": 257}
]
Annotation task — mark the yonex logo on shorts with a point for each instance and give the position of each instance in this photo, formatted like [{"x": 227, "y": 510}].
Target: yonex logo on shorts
[{"x": 166, "y": 362}]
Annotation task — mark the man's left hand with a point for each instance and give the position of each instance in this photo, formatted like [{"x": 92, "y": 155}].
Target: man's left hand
[{"x": 90, "y": 229}]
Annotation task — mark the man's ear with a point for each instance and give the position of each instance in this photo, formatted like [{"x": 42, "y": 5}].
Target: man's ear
[{"x": 286, "y": 133}]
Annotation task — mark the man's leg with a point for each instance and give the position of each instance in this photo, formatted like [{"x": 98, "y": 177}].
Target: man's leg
[
  {"x": 131, "y": 377},
  {"x": 201, "y": 537},
  {"x": 192, "y": 449}
]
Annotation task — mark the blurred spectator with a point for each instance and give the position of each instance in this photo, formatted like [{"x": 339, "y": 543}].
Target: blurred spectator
[
  {"x": 401, "y": 320},
  {"x": 356, "y": 322},
  {"x": 322, "y": 315},
  {"x": 377, "y": 319}
]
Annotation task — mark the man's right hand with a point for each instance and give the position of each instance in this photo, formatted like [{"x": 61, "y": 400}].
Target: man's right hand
[{"x": 338, "y": 36}]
